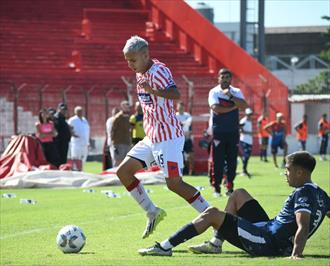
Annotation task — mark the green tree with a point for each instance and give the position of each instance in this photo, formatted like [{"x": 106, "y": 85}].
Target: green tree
[{"x": 321, "y": 83}]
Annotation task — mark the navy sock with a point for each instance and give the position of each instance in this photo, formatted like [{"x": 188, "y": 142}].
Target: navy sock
[{"x": 182, "y": 235}]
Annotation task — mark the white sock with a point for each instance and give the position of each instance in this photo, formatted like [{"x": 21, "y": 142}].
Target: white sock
[
  {"x": 198, "y": 202},
  {"x": 166, "y": 244},
  {"x": 216, "y": 241},
  {"x": 140, "y": 195}
]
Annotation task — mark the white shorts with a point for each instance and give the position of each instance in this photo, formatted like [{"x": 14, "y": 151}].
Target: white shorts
[
  {"x": 78, "y": 152},
  {"x": 168, "y": 155}
]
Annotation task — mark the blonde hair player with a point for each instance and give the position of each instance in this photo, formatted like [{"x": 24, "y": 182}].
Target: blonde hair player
[{"x": 164, "y": 139}]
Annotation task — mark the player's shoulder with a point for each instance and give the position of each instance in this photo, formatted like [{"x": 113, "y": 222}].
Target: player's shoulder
[
  {"x": 159, "y": 66},
  {"x": 235, "y": 89},
  {"x": 215, "y": 89}
]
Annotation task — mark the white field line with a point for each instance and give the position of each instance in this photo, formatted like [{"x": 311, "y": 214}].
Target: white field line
[{"x": 42, "y": 229}]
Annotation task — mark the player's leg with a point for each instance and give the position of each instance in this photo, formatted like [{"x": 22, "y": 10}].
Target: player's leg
[
  {"x": 210, "y": 217},
  {"x": 274, "y": 152},
  {"x": 169, "y": 157},
  {"x": 241, "y": 204},
  {"x": 218, "y": 157},
  {"x": 139, "y": 157},
  {"x": 231, "y": 151}
]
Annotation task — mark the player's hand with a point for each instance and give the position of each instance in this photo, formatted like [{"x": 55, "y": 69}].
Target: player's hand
[{"x": 145, "y": 85}]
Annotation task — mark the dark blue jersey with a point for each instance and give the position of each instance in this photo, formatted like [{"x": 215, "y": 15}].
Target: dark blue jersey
[
  {"x": 309, "y": 198},
  {"x": 224, "y": 122}
]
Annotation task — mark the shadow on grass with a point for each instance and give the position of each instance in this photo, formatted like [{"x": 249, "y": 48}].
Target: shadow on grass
[
  {"x": 317, "y": 256},
  {"x": 87, "y": 252},
  {"x": 236, "y": 253}
]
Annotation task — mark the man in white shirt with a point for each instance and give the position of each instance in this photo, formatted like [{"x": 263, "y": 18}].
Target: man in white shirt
[
  {"x": 186, "y": 121},
  {"x": 246, "y": 139},
  {"x": 80, "y": 138}
]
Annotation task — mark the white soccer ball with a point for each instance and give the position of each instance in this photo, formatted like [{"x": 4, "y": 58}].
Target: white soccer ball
[{"x": 70, "y": 239}]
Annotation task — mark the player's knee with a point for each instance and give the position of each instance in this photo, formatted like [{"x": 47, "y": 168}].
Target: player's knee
[
  {"x": 123, "y": 170},
  {"x": 211, "y": 214},
  {"x": 174, "y": 184}
]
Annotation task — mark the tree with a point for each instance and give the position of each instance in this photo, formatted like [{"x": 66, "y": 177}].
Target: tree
[{"x": 321, "y": 83}]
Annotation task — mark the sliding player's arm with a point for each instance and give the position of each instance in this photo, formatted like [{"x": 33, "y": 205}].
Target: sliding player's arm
[{"x": 301, "y": 236}]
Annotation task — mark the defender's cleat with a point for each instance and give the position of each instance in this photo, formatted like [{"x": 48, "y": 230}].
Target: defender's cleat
[
  {"x": 156, "y": 250},
  {"x": 153, "y": 220},
  {"x": 206, "y": 248}
]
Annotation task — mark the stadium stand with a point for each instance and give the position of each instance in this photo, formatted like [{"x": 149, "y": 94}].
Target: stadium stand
[{"x": 41, "y": 46}]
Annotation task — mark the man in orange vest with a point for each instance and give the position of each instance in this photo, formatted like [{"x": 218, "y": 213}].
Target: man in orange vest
[
  {"x": 302, "y": 132},
  {"x": 324, "y": 130},
  {"x": 263, "y": 136}
]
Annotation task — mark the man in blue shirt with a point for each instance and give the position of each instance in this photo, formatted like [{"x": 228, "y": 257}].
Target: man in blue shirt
[
  {"x": 225, "y": 102},
  {"x": 245, "y": 224}
]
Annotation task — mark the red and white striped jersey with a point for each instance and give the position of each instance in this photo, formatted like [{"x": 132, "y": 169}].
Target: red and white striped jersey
[{"x": 159, "y": 120}]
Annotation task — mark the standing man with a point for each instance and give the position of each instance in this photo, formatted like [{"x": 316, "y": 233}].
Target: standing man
[
  {"x": 278, "y": 131},
  {"x": 121, "y": 139},
  {"x": 79, "y": 138},
  {"x": 246, "y": 225},
  {"x": 302, "y": 132},
  {"x": 263, "y": 136},
  {"x": 225, "y": 102},
  {"x": 107, "y": 161},
  {"x": 164, "y": 139},
  {"x": 324, "y": 130},
  {"x": 63, "y": 132},
  {"x": 186, "y": 121},
  {"x": 246, "y": 139},
  {"x": 136, "y": 121}
]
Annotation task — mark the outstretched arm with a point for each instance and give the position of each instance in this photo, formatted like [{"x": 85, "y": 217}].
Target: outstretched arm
[{"x": 300, "y": 239}]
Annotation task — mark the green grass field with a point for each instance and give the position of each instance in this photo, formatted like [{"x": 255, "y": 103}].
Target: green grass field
[{"x": 114, "y": 226}]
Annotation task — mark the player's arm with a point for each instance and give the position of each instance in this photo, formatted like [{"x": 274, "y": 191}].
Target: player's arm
[
  {"x": 301, "y": 236},
  {"x": 171, "y": 92},
  {"x": 222, "y": 109},
  {"x": 268, "y": 127}
]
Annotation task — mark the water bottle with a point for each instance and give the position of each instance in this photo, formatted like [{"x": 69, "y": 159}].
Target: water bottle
[
  {"x": 27, "y": 201},
  {"x": 89, "y": 190},
  {"x": 8, "y": 195}
]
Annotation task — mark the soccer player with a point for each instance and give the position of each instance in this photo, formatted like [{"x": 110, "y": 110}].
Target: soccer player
[
  {"x": 278, "y": 131},
  {"x": 302, "y": 132},
  {"x": 164, "y": 139},
  {"x": 246, "y": 225},
  {"x": 324, "y": 130},
  {"x": 263, "y": 136}
]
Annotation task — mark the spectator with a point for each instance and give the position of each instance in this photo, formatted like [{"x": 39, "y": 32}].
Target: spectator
[
  {"x": 186, "y": 121},
  {"x": 79, "y": 138},
  {"x": 278, "y": 130},
  {"x": 246, "y": 139},
  {"x": 46, "y": 133},
  {"x": 108, "y": 125},
  {"x": 120, "y": 135},
  {"x": 324, "y": 130},
  {"x": 136, "y": 120},
  {"x": 263, "y": 136},
  {"x": 302, "y": 132},
  {"x": 225, "y": 102},
  {"x": 51, "y": 114},
  {"x": 64, "y": 132}
]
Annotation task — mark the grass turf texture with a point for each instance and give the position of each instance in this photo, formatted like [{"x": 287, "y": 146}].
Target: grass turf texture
[{"x": 114, "y": 226}]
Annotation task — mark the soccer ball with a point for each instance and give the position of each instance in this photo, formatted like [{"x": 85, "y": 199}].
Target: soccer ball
[{"x": 70, "y": 239}]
